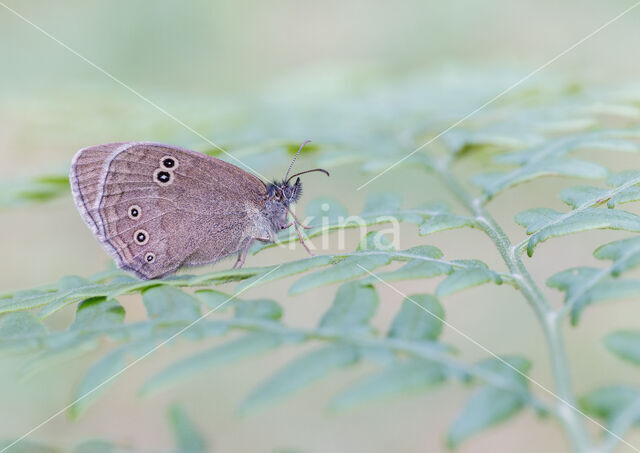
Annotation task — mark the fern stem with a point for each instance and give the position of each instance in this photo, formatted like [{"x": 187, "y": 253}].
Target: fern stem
[{"x": 550, "y": 322}]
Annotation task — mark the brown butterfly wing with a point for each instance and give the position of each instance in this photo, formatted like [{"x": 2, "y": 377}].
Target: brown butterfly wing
[
  {"x": 87, "y": 168},
  {"x": 198, "y": 210}
]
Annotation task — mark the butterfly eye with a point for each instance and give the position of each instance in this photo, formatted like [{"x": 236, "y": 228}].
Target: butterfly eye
[{"x": 141, "y": 237}]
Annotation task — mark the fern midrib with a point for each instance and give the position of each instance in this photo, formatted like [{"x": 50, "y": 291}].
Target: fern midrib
[{"x": 506, "y": 276}]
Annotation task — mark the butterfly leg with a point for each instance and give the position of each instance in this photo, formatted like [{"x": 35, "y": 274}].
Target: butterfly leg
[
  {"x": 302, "y": 240},
  {"x": 306, "y": 227},
  {"x": 242, "y": 255},
  {"x": 237, "y": 261}
]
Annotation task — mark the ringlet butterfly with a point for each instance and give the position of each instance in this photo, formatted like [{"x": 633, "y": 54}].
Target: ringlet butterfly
[{"x": 155, "y": 208}]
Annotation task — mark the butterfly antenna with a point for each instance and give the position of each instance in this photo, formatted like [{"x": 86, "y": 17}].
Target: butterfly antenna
[
  {"x": 294, "y": 158},
  {"x": 308, "y": 171}
]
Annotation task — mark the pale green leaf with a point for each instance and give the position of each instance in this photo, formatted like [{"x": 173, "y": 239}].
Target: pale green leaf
[
  {"x": 436, "y": 207},
  {"x": 57, "y": 349},
  {"x": 352, "y": 309},
  {"x": 27, "y": 446},
  {"x": 606, "y": 402},
  {"x": 258, "y": 309},
  {"x": 414, "y": 269},
  {"x": 545, "y": 223},
  {"x": 98, "y": 314},
  {"x": 324, "y": 209},
  {"x": 72, "y": 282},
  {"x": 582, "y": 195},
  {"x": 459, "y": 141},
  {"x": 299, "y": 374},
  {"x": 625, "y": 186},
  {"x": 96, "y": 446},
  {"x": 443, "y": 222},
  {"x": 487, "y": 407},
  {"x": 425, "y": 251},
  {"x": 99, "y": 377},
  {"x": 468, "y": 277},
  {"x": 21, "y": 332},
  {"x": 606, "y": 140},
  {"x": 625, "y": 344},
  {"x": 52, "y": 301},
  {"x": 626, "y": 177},
  {"x": 584, "y": 286},
  {"x": 374, "y": 240},
  {"x": 574, "y": 282},
  {"x": 397, "y": 379},
  {"x": 21, "y": 326},
  {"x": 286, "y": 270},
  {"x": 510, "y": 367},
  {"x": 607, "y": 289},
  {"x": 625, "y": 254},
  {"x": 624, "y": 189},
  {"x": 624, "y": 196},
  {"x": 166, "y": 304},
  {"x": 381, "y": 203},
  {"x": 188, "y": 437},
  {"x": 244, "y": 347},
  {"x": 423, "y": 262},
  {"x": 214, "y": 300},
  {"x": 495, "y": 182},
  {"x": 536, "y": 219},
  {"x": 419, "y": 319},
  {"x": 353, "y": 266},
  {"x": 38, "y": 189},
  {"x": 549, "y": 158}
]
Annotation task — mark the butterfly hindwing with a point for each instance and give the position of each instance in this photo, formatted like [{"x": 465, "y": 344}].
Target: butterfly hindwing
[{"x": 85, "y": 176}]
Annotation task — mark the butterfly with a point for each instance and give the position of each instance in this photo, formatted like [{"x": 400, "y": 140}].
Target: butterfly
[{"x": 156, "y": 208}]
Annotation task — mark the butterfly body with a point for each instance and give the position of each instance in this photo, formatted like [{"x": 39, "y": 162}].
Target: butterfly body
[{"x": 155, "y": 208}]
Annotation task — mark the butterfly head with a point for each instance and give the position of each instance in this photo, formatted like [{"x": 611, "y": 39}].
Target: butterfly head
[
  {"x": 282, "y": 194},
  {"x": 285, "y": 192}
]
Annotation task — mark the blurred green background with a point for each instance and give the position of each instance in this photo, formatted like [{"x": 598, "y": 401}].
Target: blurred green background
[{"x": 238, "y": 72}]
